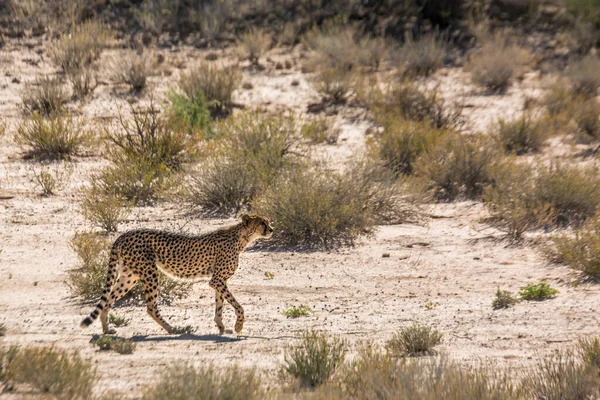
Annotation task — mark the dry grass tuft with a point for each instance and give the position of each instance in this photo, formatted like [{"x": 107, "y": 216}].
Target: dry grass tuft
[
  {"x": 132, "y": 69},
  {"x": 414, "y": 340},
  {"x": 584, "y": 76},
  {"x": 423, "y": 56},
  {"x": 253, "y": 44},
  {"x": 519, "y": 136},
  {"x": 46, "y": 96}
]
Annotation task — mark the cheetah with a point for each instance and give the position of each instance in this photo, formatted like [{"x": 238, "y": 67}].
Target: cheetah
[{"x": 140, "y": 254}]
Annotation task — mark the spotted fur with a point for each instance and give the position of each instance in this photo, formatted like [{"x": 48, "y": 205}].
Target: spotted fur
[{"x": 140, "y": 254}]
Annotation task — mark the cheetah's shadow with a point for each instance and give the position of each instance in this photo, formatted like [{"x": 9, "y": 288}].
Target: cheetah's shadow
[{"x": 191, "y": 337}]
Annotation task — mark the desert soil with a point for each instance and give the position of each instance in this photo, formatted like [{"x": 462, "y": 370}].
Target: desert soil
[{"x": 442, "y": 272}]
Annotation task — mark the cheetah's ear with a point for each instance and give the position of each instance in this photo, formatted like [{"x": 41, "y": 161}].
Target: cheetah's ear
[{"x": 245, "y": 218}]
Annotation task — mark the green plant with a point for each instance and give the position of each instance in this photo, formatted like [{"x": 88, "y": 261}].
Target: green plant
[
  {"x": 414, "y": 340},
  {"x": 314, "y": 359},
  {"x": 537, "y": 291},
  {"x": 193, "y": 113},
  {"x": 319, "y": 130},
  {"x": 584, "y": 76},
  {"x": 521, "y": 135},
  {"x": 56, "y": 137},
  {"x": 118, "y": 321},
  {"x": 216, "y": 84},
  {"x": 183, "y": 382},
  {"x": 503, "y": 299},
  {"x": 118, "y": 345},
  {"x": 132, "y": 69},
  {"x": 460, "y": 166},
  {"x": 253, "y": 43},
  {"x": 184, "y": 330},
  {"x": 52, "y": 180},
  {"x": 103, "y": 208},
  {"x": 423, "y": 56},
  {"x": 46, "y": 96},
  {"x": 59, "y": 373},
  {"x": 295, "y": 312},
  {"x": 270, "y": 275},
  {"x": 88, "y": 278}
]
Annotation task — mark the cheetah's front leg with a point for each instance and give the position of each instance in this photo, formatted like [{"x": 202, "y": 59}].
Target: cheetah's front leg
[{"x": 221, "y": 290}]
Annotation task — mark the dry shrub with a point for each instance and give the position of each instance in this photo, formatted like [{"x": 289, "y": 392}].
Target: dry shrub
[
  {"x": 320, "y": 130},
  {"x": 407, "y": 101},
  {"x": 29, "y": 15},
  {"x": 558, "y": 99},
  {"x": 314, "y": 359},
  {"x": 46, "y": 96},
  {"x": 561, "y": 377},
  {"x": 132, "y": 69},
  {"x": 58, "y": 136},
  {"x": 83, "y": 81},
  {"x": 81, "y": 47},
  {"x": 414, "y": 340},
  {"x": 254, "y": 148},
  {"x": 496, "y": 63},
  {"x": 581, "y": 251},
  {"x": 503, "y": 299},
  {"x": 423, "y": 56},
  {"x": 584, "y": 76},
  {"x": 588, "y": 350},
  {"x": 49, "y": 371},
  {"x": 88, "y": 279},
  {"x": 521, "y": 135},
  {"x": 333, "y": 84},
  {"x": 52, "y": 179},
  {"x": 103, "y": 208},
  {"x": 216, "y": 84},
  {"x": 183, "y": 382},
  {"x": 587, "y": 117},
  {"x": 253, "y": 44},
  {"x": 318, "y": 208},
  {"x": 460, "y": 166},
  {"x": 402, "y": 142}
]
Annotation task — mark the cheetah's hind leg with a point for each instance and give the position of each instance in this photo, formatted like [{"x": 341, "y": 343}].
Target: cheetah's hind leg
[{"x": 126, "y": 282}]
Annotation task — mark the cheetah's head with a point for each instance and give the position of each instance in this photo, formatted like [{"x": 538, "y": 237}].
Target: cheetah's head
[{"x": 259, "y": 226}]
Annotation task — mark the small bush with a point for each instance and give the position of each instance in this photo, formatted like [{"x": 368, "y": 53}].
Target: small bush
[
  {"x": 561, "y": 377},
  {"x": 407, "y": 101},
  {"x": 333, "y": 84},
  {"x": 118, "y": 321},
  {"x": 503, "y": 299},
  {"x": 318, "y": 208},
  {"x": 254, "y": 149},
  {"x": 319, "y": 130},
  {"x": 402, "y": 142},
  {"x": 132, "y": 69},
  {"x": 415, "y": 340},
  {"x": 184, "y": 330},
  {"x": 520, "y": 135},
  {"x": 423, "y": 56},
  {"x": 315, "y": 359},
  {"x": 206, "y": 383},
  {"x": 87, "y": 280},
  {"x": 81, "y": 48},
  {"x": 495, "y": 64},
  {"x": 295, "y": 312},
  {"x": 192, "y": 113},
  {"x": 587, "y": 117},
  {"x": 83, "y": 81},
  {"x": 581, "y": 251},
  {"x": 217, "y": 85},
  {"x": 103, "y": 208},
  {"x": 56, "y": 137},
  {"x": 459, "y": 166},
  {"x": 46, "y": 96},
  {"x": 50, "y": 181},
  {"x": 253, "y": 44},
  {"x": 118, "y": 345},
  {"x": 537, "y": 291},
  {"x": 584, "y": 76},
  {"x": 58, "y": 373}
]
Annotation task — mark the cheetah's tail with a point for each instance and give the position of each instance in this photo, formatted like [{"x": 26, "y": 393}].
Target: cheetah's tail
[{"x": 110, "y": 281}]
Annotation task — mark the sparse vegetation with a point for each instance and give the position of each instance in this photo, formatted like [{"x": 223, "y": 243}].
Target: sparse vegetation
[
  {"x": 319, "y": 130},
  {"x": 521, "y": 135},
  {"x": 334, "y": 84},
  {"x": 314, "y": 359},
  {"x": 132, "y": 69},
  {"x": 588, "y": 350},
  {"x": 184, "y": 330},
  {"x": 503, "y": 299},
  {"x": 584, "y": 76},
  {"x": 253, "y": 44},
  {"x": 46, "y": 96},
  {"x": 423, "y": 56},
  {"x": 587, "y": 117},
  {"x": 183, "y": 382},
  {"x": 414, "y": 340},
  {"x": 537, "y": 291},
  {"x": 51, "y": 180},
  {"x": 118, "y": 321},
  {"x": 296, "y": 312},
  {"x": 59, "y": 373},
  {"x": 55, "y": 138},
  {"x": 118, "y": 345},
  {"x": 103, "y": 209}
]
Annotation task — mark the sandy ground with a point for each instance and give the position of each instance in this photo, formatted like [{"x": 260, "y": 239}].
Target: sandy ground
[{"x": 443, "y": 272}]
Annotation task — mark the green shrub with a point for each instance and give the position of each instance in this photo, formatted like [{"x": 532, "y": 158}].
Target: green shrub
[
  {"x": 255, "y": 147},
  {"x": 132, "y": 69},
  {"x": 118, "y": 345},
  {"x": 581, "y": 251},
  {"x": 56, "y": 137},
  {"x": 503, "y": 299},
  {"x": 192, "y": 113},
  {"x": 319, "y": 130},
  {"x": 460, "y": 166},
  {"x": 318, "y": 208},
  {"x": 58, "y": 373},
  {"x": 216, "y": 84},
  {"x": 584, "y": 76},
  {"x": 185, "y": 382},
  {"x": 253, "y": 44},
  {"x": 402, "y": 142},
  {"x": 295, "y": 312},
  {"x": 521, "y": 135},
  {"x": 414, "y": 340},
  {"x": 314, "y": 359},
  {"x": 537, "y": 291},
  {"x": 118, "y": 321},
  {"x": 423, "y": 56},
  {"x": 103, "y": 208},
  {"x": 87, "y": 280},
  {"x": 46, "y": 96}
]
